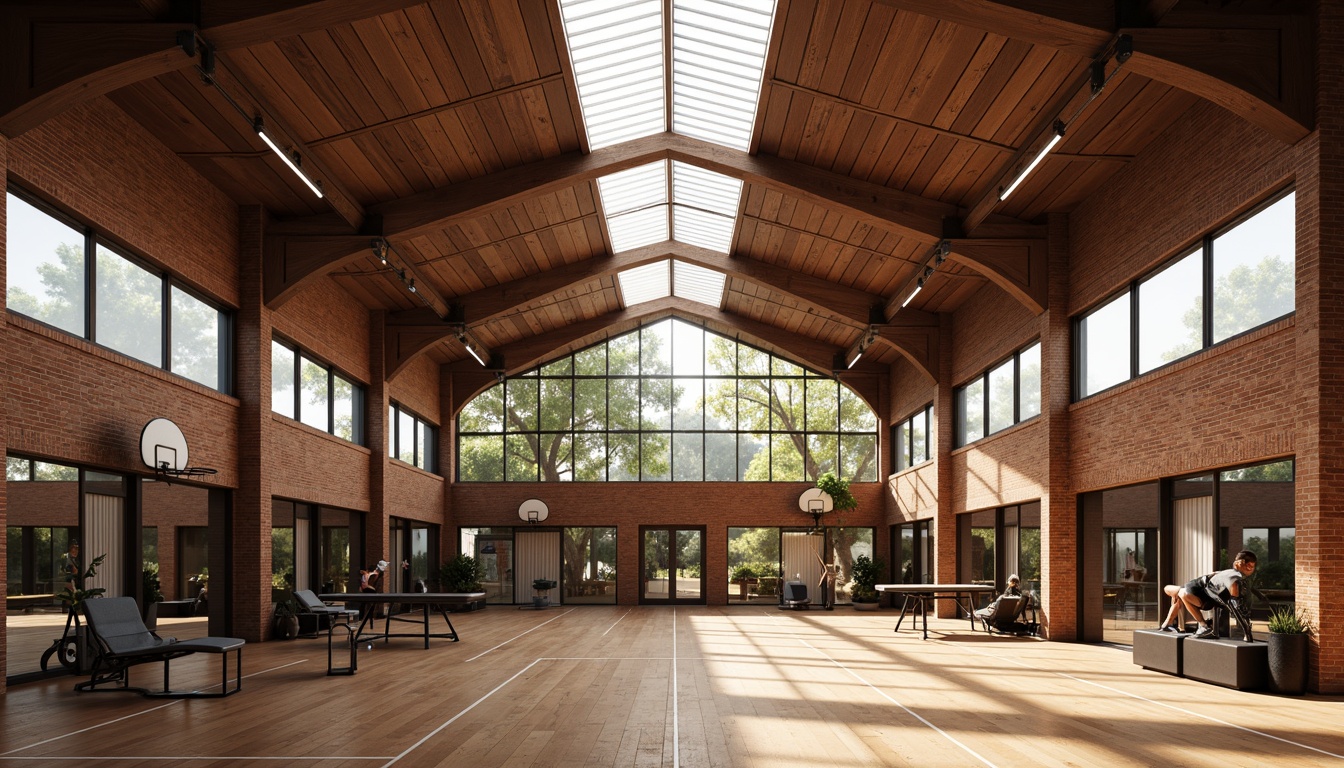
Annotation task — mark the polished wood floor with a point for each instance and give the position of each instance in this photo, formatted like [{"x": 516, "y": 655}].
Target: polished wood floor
[{"x": 744, "y": 685}]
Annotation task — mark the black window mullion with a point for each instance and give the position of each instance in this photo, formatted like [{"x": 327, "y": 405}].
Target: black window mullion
[
  {"x": 166, "y": 321},
  {"x": 1017, "y": 387},
  {"x": 331, "y": 402},
  {"x": 1133, "y": 330},
  {"x": 1207, "y": 320},
  {"x": 90, "y": 280},
  {"x": 984, "y": 405}
]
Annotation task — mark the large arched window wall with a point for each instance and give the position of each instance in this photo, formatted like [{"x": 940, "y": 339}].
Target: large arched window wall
[{"x": 670, "y": 401}]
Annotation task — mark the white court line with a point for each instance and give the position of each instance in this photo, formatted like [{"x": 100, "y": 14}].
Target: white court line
[
  {"x": 618, "y": 621},
  {"x": 515, "y": 637},
  {"x": 454, "y": 718},
  {"x": 1210, "y": 718},
  {"x": 884, "y": 695},
  {"x": 676, "y": 721},
  {"x": 137, "y": 714}
]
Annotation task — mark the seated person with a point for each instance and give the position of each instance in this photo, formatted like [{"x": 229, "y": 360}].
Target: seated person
[
  {"x": 1215, "y": 589},
  {"x": 1014, "y": 590}
]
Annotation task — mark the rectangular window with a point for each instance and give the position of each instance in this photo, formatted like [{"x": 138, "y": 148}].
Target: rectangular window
[
  {"x": 324, "y": 400},
  {"x": 910, "y": 441},
  {"x": 1103, "y": 346},
  {"x": 412, "y": 440},
  {"x": 971, "y": 412},
  {"x": 49, "y": 269},
  {"x": 129, "y": 301},
  {"x": 44, "y": 267},
  {"x": 283, "y": 364},
  {"x": 1006, "y": 394},
  {"x": 197, "y": 341},
  {"x": 1233, "y": 281}
]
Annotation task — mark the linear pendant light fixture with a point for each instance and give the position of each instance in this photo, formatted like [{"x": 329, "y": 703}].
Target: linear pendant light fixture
[
  {"x": 292, "y": 162},
  {"x": 1121, "y": 49},
  {"x": 1035, "y": 161}
]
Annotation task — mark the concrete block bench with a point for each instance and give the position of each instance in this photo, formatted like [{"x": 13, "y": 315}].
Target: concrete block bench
[
  {"x": 1161, "y": 651},
  {"x": 1231, "y": 663}
]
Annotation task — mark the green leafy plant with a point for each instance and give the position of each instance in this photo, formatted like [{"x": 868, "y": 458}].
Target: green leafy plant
[
  {"x": 462, "y": 574},
  {"x": 744, "y": 572},
  {"x": 1287, "y": 620},
  {"x": 286, "y": 609},
  {"x": 838, "y": 489},
  {"x": 541, "y": 585},
  {"x": 149, "y": 584},
  {"x": 867, "y": 571},
  {"x": 74, "y": 598}
]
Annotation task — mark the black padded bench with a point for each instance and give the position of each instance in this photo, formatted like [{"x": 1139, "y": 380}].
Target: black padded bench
[
  {"x": 121, "y": 641},
  {"x": 1158, "y": 650}
]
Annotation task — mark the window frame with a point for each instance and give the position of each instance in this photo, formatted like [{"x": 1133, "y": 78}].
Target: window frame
[
  {"x": 358, "y": 393},
  {"x": 430, "y": 432},
  {"x": 93, "y": 241},
  {"x": 926, "y": 413},
  {"x": 1203, "y": 246},
  {"x": 959, "y": 425},
  {"x": 804, "y": 375}
]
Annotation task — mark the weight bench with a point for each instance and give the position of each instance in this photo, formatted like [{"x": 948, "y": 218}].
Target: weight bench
[{"x": 119, "y": 640}]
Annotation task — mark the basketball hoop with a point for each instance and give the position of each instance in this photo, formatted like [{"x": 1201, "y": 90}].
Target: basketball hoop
[
  {"x": 533, "y": 511},
  {"x": 164, "y": 450},
  {"x": 816, "y": 503}
]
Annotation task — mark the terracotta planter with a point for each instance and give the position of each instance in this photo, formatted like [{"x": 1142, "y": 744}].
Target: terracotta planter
[
  {"x": 865, "y": 606},
  {"x": 1288, "y": 663}
]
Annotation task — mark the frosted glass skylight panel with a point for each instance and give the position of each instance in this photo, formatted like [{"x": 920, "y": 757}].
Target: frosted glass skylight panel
[
  {"x": 690, "y": 281},
  {"x": 646, "y": 283},
  {"x": 704, "y": 207},
  {"x": 635, "y": 204},
  {"x": 616, "y": 47},
  {"x": 718, "y": 53}
]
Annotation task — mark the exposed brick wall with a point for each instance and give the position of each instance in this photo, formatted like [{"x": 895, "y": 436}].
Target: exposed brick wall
[
  {"x": 328, "y": 323},
  {"x": 1004, "y": 468},
  {"x": 417, "y": 388},
  {"x": 630, "y": 505},
  {"x": 988, "y": 328},
  {"x": 414, "y": 494},
  {"x": 309, "y": 465},
  {"x": 97, "y": 163}
]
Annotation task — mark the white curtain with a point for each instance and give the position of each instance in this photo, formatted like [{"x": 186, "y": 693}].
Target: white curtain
[
  {"x": 538, "y": 557},
  {"x": 103, "y": 534},
  {"x": 1010, "y": 551},
  {"x": 302, "y": 531},
  {"x": 800, "y": 560},
  {"x": 1193, "y": 521}
]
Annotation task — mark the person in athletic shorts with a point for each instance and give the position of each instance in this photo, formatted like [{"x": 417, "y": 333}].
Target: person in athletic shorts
[{"x": 1215, "y": 589}]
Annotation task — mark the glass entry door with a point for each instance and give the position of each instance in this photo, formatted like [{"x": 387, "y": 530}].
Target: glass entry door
[{"x": 674, "y": 566}]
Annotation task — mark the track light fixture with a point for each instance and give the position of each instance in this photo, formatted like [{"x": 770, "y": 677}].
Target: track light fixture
[
  {"x": 473, "y": 347},
  {"x": 292, "y": 159},
  {"x": 855, "y": 352},
  {"x": 382, "y": 248},
  {"x": 937, "y": 255},
  {"x": 1097, "y": 78}
]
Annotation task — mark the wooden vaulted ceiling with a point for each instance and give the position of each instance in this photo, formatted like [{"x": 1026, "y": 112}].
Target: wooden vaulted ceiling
[{"x": 453, "y": 130}]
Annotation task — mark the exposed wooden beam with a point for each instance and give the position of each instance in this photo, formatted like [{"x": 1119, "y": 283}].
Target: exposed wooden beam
[
  {"x": 290, "y": 262},
  {"x": 54, "y": 56},
  {"x": 820, "y": 296},
  {"x": 915, "y": 335},
  {"x": 1254, "y": 64},
  {"x": 407, "y": 334}
]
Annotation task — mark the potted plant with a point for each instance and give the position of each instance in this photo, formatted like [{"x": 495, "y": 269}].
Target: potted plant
[
  {"x": 286, "y": 620},
  {"x": 867, "y": 571},
  {"x": 152, "y": 594},
  {"x": 745, "y": 577},
  {"x": 462, "y": 574},
  {"x": 541, "y": 587},
  {"x": 1288, "y": 645},
  {"x": 841, "y": 499}
]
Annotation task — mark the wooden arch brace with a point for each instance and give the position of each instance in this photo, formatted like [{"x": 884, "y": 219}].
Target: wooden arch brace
[
  {"x": 915, "y": 335},
  {"x": 1254, "y": 64},
  {"x": 55, "y": 56},
  {"x": 1019, "y": 267},
  {"x": 407, "y": 334}
]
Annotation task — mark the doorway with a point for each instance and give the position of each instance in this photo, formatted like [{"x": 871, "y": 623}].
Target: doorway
[{"x": 674, "y": 566}]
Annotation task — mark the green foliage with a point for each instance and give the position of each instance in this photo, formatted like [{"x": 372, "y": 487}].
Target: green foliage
[
  {"x": 286, "y": 609},
  {"x": 541, "y": 585},
  {"x": 839, "y": 491},
  {"x": 1248, "y": 296},
  {"x": 867, "y": 572},
  {"x": 1276, "y": 472},
  {"x": 462, "y": 574},
  {"x": 73, "y": 598},
  {"x": 1287, "y": 620},
  {"x": 744, "y": 572},
  {"x": 149, "y": 584}
]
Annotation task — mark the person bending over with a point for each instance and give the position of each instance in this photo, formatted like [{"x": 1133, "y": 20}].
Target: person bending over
[{"x": 1215, "y": 589}]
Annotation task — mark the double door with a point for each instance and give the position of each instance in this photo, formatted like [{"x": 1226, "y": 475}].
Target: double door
[{"x": 673, "y": 561}]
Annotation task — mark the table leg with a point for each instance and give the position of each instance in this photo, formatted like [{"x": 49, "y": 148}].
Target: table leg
[{"x": 905, "y": 606}]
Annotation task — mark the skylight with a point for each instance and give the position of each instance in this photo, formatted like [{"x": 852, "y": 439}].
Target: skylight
[
  {"x": 718, "y": 54},
  {"x": 671, "y": 278},
  {"x": 717, "y": 50},
  {"x": 704, "y": 207},
  {"x": 617, "y": 50},
  {"x": 635, "y": 202}
]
